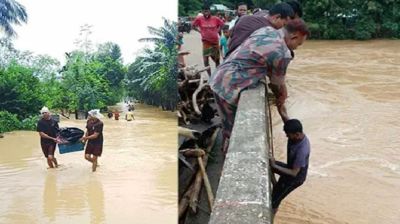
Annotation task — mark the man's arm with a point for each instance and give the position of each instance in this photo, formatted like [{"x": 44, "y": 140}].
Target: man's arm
[
  {"x": 83, "y": 138},
  {"x": 291, "y": 172},
  {"x": 279, "y": 65},
  {"x": 97, "y": 130},
  {"x": 44, "y": 135},
  {"x": 93, "y": 136},
  {"x": 280, "y": 93},
  {"x": 196, "y": 28},
  {"x": 195, "y": 25}
]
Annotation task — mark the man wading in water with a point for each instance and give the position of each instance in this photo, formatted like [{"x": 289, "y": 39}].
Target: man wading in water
[
  {"x": 48, "y": 128},
  {"x": 94, "y": 135}
]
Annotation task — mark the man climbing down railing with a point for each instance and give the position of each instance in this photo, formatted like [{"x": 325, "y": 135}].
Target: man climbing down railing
[{"x": 294, "y": 172}]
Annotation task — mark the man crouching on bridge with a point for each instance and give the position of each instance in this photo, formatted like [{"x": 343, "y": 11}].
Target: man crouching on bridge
[
  {"x": 293, "y": 174},
  {"x": 264, "y": 53}
]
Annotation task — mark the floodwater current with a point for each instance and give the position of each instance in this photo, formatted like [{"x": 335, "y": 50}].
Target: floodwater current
[
  {"x": 136, "y": 181},
  {"x": 347, "y": 95}
]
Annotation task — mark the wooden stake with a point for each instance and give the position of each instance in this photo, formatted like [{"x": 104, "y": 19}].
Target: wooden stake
[
  {"x": 183, "y": 204},
  {"x": 197, "y": 182},
  {"x": 206, "y": 183}
]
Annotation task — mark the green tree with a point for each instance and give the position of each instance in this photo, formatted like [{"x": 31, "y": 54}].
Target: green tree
[
  {"x": 20, "y": 91},
  {"x": 112, "y": 69},
  {"x": 189, "y": 7},
  {"x": 152, "y": 77},
  {"x": 83, "y": 88},
  {"x": 353, "y": 19},
  {"x": 11, "y": 13}
]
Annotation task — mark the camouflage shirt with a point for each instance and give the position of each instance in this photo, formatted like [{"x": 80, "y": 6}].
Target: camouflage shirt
[{"x": 264, "y": 53}]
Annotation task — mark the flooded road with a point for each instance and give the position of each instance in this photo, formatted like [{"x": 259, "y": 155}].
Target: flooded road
[
  {"x": 136, "y": 181},
  {"x": 347, "y": 95}
]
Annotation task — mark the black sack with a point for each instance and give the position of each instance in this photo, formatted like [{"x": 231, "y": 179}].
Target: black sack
[{"x": 71, "y": 135}]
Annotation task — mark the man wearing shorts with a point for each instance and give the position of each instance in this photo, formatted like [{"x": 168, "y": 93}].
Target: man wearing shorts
[
  {"x": 48, "y": 128},
  {"x": 210, "y": 27},
  {"x": 94, "y": 137}
]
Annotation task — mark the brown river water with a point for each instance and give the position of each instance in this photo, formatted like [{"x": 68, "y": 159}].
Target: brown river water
[
  {"x": 136, "y": 181},
  {"x": 347, "y": 95}
]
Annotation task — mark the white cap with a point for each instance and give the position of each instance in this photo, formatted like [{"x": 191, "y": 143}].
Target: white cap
[
  {"x": 95, "y": 113},
  {"x": 44, "y": 110}
]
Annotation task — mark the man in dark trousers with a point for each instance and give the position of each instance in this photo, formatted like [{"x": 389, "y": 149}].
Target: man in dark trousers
[
  {"x": 294, "y": 172},
  {"x": 48, "y": 128}
]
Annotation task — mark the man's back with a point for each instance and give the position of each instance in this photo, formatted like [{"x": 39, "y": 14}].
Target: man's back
[
  {"x": 298, "y": 155},
  {"x": 261, "y": 54},
  {"x": 244, "y": 28}
]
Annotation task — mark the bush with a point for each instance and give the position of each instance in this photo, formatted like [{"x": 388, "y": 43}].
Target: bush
[
  {"x": 8, "y": 122},
  {"x": 364, "y": 30},
  {"x": 29, "y": 123}
]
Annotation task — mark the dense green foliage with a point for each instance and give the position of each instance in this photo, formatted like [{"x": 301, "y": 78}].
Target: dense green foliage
[
  {"x": 19, "y": 91},
  {"x": 8, "y": 122},
  {"x": 28, "y": 82},
  {"x": 353, "y": 19},
  {"x": 331, "y": 19},
  {"x": 152, "y": 76}
]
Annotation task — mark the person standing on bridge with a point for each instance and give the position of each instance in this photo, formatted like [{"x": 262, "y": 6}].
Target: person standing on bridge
[
  {"x": 294, "y": 172},
  {"x": 94, "y": 137},
  {"x": 277, "y": 17},
  {"x": 48, "y": 128},
  {"x": 210, "y": 27},
  {"x": 240, "y": 11},
  {"x": 264, "y": 53}
]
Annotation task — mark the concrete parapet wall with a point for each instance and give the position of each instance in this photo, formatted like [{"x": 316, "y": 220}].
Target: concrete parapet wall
[{"x": 244, "y": 192}]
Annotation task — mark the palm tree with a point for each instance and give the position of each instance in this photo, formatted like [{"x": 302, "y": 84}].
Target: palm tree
[
  {"x": 166, "y": 35},
  {"x": 11, "y": 12},
  {"x": 154, "y": 71}
]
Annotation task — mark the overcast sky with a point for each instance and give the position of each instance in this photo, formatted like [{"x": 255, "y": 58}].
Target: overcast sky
[{"x": 53, "y": 25}]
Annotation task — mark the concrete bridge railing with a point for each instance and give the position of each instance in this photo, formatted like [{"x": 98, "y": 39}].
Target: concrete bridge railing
[{"x": 244, "y": 191}]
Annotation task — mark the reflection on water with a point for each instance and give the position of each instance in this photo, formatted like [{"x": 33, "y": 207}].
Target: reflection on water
[
  {"x": 347, "y": 95},
  {"x": 50, "y": 196},
  {"x": 136, "y": 181}
]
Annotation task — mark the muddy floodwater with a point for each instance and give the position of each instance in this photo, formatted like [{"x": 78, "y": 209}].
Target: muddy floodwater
[
  {"x": 347, "y": 94},
  {"x": 136, "y": 181}
]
